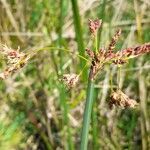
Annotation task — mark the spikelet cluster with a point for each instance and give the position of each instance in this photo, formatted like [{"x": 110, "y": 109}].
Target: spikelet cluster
[
  {"x": 15, "y": 60},
  {"x": 70, "y": 80},
  {"x": 119, "y": 99},
  {"x": 108, "y": 55}
]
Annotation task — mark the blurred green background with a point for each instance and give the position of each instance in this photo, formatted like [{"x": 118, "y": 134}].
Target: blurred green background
[{"x": 37, "y": 111}]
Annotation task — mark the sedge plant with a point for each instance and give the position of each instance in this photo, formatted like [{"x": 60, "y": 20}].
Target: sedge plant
[
  {"x": 16, "y": 60},
  {"x": 100, "y": 57}
]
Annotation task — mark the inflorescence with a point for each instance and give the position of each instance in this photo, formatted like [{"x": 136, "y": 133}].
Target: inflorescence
[
  {"x": 15, "y": 60},
  {"x": 107, "y": 55}
]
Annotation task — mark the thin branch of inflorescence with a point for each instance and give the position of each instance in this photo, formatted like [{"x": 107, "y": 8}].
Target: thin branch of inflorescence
[{"x": 17, "y": 60}]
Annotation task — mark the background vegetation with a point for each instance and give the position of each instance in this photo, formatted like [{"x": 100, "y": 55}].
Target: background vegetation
[{"x": 36, "y": 110}]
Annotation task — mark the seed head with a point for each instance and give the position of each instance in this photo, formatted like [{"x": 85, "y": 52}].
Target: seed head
[
  {"x": 113, "y": 41},
  {"x": 90, "y": 53},
  {"x": 94, "y": 25},
  {"x": 120, "y": 99},
  {"x": 70, "y": 80},
  {"x": 15, "y": 60},
  {"x": 135, "y": 51}
]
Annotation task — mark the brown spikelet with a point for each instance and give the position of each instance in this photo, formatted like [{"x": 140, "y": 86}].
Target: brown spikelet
[
  {"x": 120, "y": 99},
  {"x": 138, "y": 50},
  {"x": 95, "y": 67},
  {"x": 90, "y": 53},
  {"x": 113, "y": 41},
  {"x": 15, "y": 61},
  {"x": 122, "y": 56},
  {"x": 70, "y": 80},
  {"x": 94, "y": 25},
  {"x": 97, "y": 62}
]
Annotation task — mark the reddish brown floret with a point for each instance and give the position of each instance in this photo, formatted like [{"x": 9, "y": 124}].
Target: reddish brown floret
[
  {"x": 119, "y": 99},
  {"x": 94, "y": 25},
  {"x": 114, "y": 40},
  {"x": 15, "y": 60},
  {"x": 133, "y": 52}
]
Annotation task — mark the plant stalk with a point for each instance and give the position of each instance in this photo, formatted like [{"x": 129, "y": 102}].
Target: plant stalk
[
  {"x": 94, "y": 123},
  {"x": 87, "y": 115},
  {"x": 79, "y": 35},
  {"x": 65, "y": 109}
]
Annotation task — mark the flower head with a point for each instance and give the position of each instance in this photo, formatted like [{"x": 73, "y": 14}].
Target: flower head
[
  {"x": 70, "y": 80},
  {"x": 15, "y": 60},
  {"x": 107, "y": 55},
  {"x": 94, "y": 25},
  {"x": 118, "y": 98}
]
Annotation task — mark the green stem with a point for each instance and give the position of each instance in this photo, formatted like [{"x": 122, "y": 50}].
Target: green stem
[
  {"x": 87, "y": 115},
  {"x": 102, "y": 15},
  {"x": 79, "y": 35},
  {"x": 65, "y": 107},
  {"x": 54, "y": 48},
  {"x": 65, "y": 110},
  {"x": 60, "y": 33},
  {"x": 118, "y": 76},
  {"x": 45, "y": 139},
  {"x": 95, "y": 121}
]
